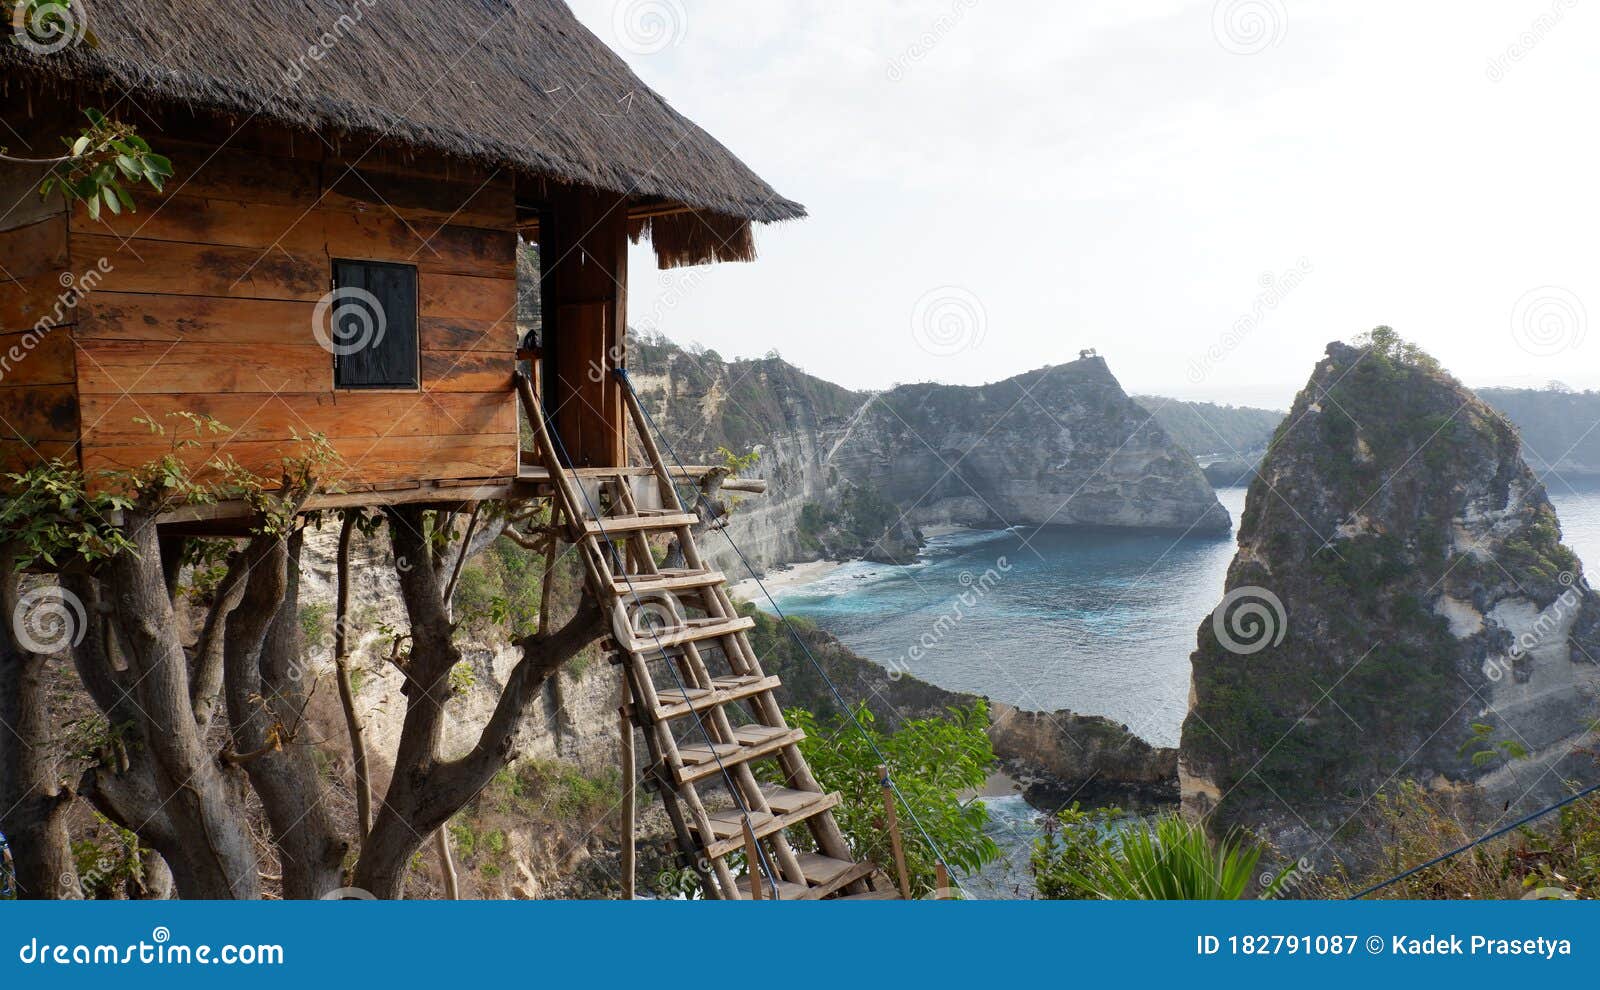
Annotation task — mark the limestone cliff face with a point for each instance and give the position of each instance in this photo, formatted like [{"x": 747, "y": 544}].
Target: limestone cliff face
[
  {"x": 1060, "y": 757},
  {"x": 1400, "y": 606},
  {"x": 1058, "y": 446},
  {"x": 855, "y": 474}
]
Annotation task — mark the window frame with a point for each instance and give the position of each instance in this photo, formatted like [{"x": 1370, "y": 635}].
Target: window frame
[{"x": 415, "y": 385}]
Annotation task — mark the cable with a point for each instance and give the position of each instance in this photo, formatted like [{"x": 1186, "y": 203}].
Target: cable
[
  {"x": 711, "y": 745},
  {"x": 1435, "y": 861},
  {"x": 622, "y": 373}
]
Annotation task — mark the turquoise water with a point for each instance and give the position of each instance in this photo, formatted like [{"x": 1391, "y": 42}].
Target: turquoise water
[
  {"x": 1095, "y": 621},
  {"x": 1100, "y": 622}
]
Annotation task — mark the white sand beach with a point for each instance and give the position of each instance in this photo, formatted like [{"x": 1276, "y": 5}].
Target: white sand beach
[{"x": 786, "y": 577}]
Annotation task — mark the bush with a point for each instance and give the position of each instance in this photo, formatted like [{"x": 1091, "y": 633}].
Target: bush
[
  {"x": 933, "y": 762},
  {"x": 1165, "y": 859}
]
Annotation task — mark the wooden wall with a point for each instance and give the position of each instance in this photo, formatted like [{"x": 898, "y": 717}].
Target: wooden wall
[
  {"x": 207, "y": 299},
  {"x": 584, "y": 248},
  {"x": 38, "y": 411}
]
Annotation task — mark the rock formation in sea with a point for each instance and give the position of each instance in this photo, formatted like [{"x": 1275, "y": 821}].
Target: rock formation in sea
[
  {"x": 855, "y": 474},
  {"x": 1401, "y": 608}
]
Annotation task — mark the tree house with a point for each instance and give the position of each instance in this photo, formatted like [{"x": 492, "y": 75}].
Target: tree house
[{"x": 412, "y": 240}]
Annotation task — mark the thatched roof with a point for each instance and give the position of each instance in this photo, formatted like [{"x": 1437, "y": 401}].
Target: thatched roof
[{"x": 517, "y": 83}]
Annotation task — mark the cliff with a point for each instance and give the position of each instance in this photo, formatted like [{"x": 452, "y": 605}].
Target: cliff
[
  {"x": 856, "y": 474},
  {"x": 1401, "y": 607},
  {"x": 1557, "y": 427}
]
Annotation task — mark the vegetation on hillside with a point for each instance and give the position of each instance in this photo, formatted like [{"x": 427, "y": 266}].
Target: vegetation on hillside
[
  {"x": 1207, "y": 428},
  {"x": 934, "y": 763},
  {"x": 1100, "y": 855}
]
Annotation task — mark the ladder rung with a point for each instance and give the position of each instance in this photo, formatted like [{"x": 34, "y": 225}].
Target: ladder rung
[
  {"x": 787, "y": 890},
  {"x": 697, "y": 631},
  {"x": 674, "y": 705},
  {"x": 829, "y": 876},
  {"x": 764, "y": 825},
  {"x": 823, "y": 870},
  {"x": 872, "y": 895},
  {"x": 784, "y": 800},
  {"x": 644, "y": 522},
  {"x": 700, "y": 764},
  {"x": 666, "y": 581}
]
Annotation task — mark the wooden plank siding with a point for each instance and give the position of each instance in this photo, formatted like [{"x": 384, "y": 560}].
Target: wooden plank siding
[
  {"x": 212, "y": 287},
  {"x": 38, "y": 401}
]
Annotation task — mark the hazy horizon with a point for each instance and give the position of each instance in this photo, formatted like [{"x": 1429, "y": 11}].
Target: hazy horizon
[{"x": 1206, "y": 192}]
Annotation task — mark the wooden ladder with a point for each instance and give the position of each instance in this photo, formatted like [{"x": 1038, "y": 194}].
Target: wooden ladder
[{"x": 698, "y": 693}]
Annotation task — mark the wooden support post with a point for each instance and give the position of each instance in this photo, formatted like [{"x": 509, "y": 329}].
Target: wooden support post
[
  {"x": 630, "y": 785},
  {"x": 894, "y": 834},
  {"x": 942, "y": 873},
  {"x": 752, "y": 855}
]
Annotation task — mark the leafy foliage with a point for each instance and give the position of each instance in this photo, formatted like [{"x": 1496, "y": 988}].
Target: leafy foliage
[
  {"x": 1167, "y": 859},
  {"x": 933, "y": 763},
  {"x": 49, "y": 513},
  {"x": 1556, "y": 857}
]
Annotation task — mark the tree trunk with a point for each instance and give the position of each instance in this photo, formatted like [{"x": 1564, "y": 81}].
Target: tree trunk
[
  {"x": 426, "y": 791},
  {"x": 347, "y": 695},
  {"x": 264, "y": 674},
  {"x": 207, "y": 840},
  {"x": 33, "y": 805}
]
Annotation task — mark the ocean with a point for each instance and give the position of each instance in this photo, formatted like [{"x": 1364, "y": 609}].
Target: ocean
[{"x": 1100, "y": 622}]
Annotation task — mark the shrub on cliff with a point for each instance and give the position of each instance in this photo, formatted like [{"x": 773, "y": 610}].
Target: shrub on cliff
[
  {"x": 1165, "y": 859},
  {"x": 933, "y": 761}
]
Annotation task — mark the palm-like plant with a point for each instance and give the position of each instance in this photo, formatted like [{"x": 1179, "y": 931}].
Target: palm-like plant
[{"x": 1168, "y": 859}]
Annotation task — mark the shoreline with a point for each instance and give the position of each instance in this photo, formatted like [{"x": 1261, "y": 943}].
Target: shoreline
[{"x": 781, "y": 580}]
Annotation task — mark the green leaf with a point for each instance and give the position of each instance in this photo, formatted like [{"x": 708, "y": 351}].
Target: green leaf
[
  {"x": 80, "y": 146},
  {"x": 109, "y": 194}
]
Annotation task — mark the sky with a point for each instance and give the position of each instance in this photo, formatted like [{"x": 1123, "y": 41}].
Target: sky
[{"x": 1205, "y": 192}]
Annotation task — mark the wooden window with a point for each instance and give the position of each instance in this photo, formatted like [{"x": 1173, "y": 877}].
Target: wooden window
[{"x": 373, "y": 325}]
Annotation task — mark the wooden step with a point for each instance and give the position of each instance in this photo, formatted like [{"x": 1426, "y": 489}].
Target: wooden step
[
  {"x": 872, "y": 895},
  {"x": 787, "y": 890},
  {"x": 784, "y": 800},
  {"x": 728, "y": 827},
  {"x": 675, "y": 580},
  {"x": 644, "y": 522},
  {"x": 727, "y": 690},
  {"x": 695, "y": 631},
  {"x": 700, "y": 762},
  {"x": 828, "y": 876}
]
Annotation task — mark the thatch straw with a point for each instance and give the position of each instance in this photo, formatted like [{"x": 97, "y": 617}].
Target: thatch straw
[
  {"x": 515, "y": 83},
  {"x": 697, "y": 238}
]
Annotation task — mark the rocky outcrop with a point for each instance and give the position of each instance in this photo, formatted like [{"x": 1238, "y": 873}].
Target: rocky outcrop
[
  {"x": 856, "y": 473},
  {"x": 1057, "y": 757},
  {"x": 1060, "y": 446},
  {"x": 1061, "y": 757},
  {"x": 1401, "y": 607}
]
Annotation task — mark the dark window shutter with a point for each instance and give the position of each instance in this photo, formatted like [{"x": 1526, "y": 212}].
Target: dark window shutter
[{"x": 374, "y": 330}]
